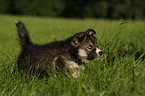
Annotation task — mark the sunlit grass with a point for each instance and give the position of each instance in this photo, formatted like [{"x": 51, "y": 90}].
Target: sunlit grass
[{"x": 120, "y": 71}]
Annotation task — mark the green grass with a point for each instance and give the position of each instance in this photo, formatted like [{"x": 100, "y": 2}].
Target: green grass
[{"x": 120, "y": 71}]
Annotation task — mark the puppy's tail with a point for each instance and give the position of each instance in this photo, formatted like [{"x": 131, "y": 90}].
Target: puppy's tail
[{"x": 23, "y": 35}]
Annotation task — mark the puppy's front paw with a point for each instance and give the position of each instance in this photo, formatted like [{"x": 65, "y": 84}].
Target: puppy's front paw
[{"x": 76, "y": 74}]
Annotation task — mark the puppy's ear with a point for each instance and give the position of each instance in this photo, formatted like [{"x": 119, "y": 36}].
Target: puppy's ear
[
  {"x": 78, "y": 38},
  {"x": 90, "y": 32}
]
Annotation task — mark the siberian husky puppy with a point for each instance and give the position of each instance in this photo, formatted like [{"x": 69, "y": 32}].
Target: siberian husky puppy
[{"x": 68, "y": 54}]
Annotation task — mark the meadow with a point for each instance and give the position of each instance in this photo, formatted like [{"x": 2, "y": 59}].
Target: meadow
[{"x": 121, "y": 70}]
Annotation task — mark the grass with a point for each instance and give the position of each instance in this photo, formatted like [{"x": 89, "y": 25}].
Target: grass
[{"x": 121, "y": 71}]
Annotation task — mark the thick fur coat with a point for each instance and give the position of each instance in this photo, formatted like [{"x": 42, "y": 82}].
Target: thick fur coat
[{"x": 66, "y": 55}]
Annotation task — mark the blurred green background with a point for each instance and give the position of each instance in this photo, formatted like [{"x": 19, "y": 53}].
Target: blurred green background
[{"x": 110, "y": 9}]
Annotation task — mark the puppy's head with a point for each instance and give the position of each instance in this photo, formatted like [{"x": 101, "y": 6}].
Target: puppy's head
[{"x": 86, "y": 45}]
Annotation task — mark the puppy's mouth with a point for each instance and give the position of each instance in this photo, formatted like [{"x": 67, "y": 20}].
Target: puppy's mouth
[
  {"x": 99, "y": 53},
  {"x": 98, "y": 57}
]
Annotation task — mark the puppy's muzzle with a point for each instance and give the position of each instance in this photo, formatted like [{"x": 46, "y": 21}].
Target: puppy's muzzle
[{"x": 99, "y": 53}]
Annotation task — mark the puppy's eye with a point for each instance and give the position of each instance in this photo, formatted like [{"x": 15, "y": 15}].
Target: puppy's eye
[{"x": 89, "y": 47}]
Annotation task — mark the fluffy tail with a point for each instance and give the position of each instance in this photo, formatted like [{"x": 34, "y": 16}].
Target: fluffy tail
[{"x": 23, "y": 35}]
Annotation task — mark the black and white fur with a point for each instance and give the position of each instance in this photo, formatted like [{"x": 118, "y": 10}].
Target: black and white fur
[{"x": 69, "y": 54}]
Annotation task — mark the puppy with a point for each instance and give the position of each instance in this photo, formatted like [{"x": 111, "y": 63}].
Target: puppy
[{"x": 68, "y": 54}]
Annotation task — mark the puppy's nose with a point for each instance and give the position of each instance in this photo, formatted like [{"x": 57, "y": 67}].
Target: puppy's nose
[{"x": 100, "y": 53}]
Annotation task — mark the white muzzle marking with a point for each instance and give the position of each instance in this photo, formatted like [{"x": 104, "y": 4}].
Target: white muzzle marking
[{"x": 97, "y": 51}]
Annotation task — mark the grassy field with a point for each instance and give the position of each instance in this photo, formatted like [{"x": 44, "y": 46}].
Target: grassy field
[{"x": 121, "y": 70}]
